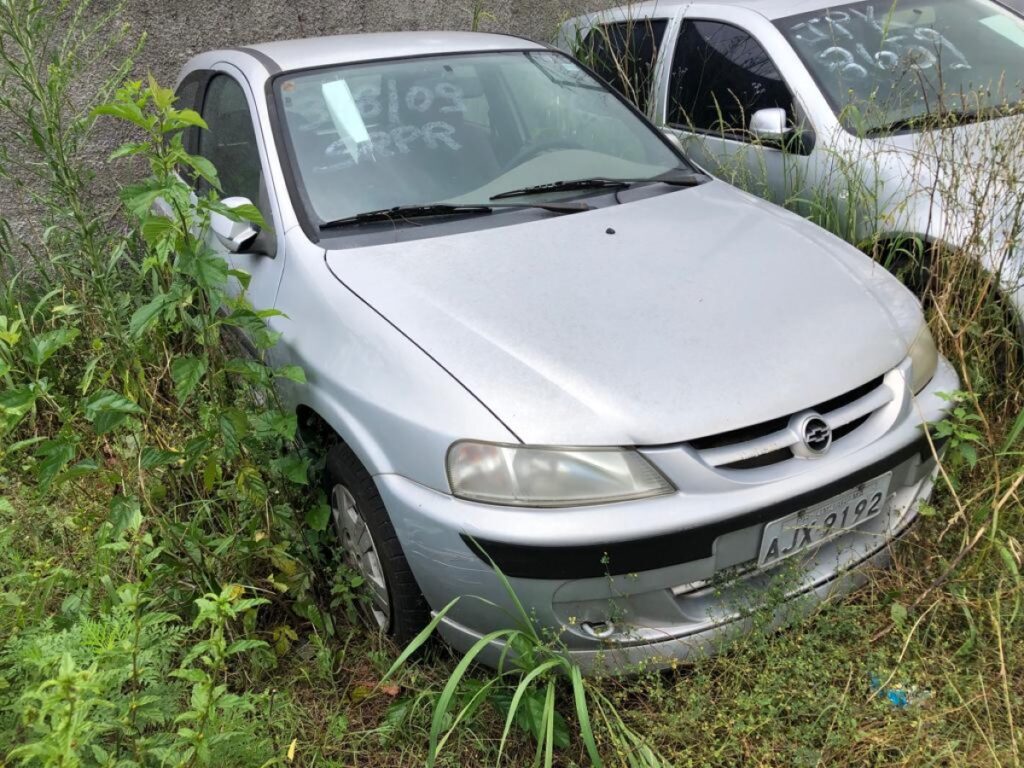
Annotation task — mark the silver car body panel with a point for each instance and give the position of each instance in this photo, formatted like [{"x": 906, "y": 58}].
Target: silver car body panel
[{"x": 670, "y": 317}]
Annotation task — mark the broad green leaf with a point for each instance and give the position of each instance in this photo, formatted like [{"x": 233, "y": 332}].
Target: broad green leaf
[
  {"x": 204, "y": 168},
  {"x": 192, "y": 118},
  {"x": 209, "y": 268},
  {"x": 970, "y": 454},
  {"x": 163, "y": 98},
  {"x": 898, "y": 614},
  {"x": 54, "y": 455},
  {"x": 124, "y": 110},
  {"x": 243, "y": 277},
  {"x": 128, "y": 149},
  {"x": 275, "y": 423},
  {"x": 245, "y": 319},
  {"x": 42, "y": 347},
  {"x": 107, "y": 409},
  {"x": 251, "y": 370},
  {"x": 233, "y": 427},
  {"x": 250, "y": 485},
  {"x": 151, "y": 457},
  {"x": 443, "y": 704},
  {"x": 318, "y": 516},
  {"x": 125, "y": 515},
  {"x": 17, "y": 402},
  {"x": 292, "y": 373},
  {"x": 532, "y": 718},
  {"x": 244, "y": 645},
  {"x": 146, "y": 315},
  {"x": 139, "y": 198},
  {"x": 252, "y": 214},
  {"x": 79, "y": 469},
  {"x": 294, "y": 467},
  {"x": 522, "y": 690},
  {"x": 187, "y": 372},
  {"x": 211, "y": 473},
  {"x": 155, "y": 228}
]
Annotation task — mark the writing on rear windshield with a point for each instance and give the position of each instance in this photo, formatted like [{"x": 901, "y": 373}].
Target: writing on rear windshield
[{"x": 855, "y": 42}]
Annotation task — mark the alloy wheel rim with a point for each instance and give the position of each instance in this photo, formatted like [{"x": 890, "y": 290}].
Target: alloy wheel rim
[{"x": 359, "y": 552}]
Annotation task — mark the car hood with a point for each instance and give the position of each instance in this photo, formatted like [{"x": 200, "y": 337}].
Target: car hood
[{"x": 651, "y": 322}]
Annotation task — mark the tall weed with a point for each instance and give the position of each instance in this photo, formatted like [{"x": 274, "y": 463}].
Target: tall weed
[{"x": 120, "y": 387}]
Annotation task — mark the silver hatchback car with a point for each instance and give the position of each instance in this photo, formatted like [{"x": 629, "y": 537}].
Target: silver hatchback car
[
  {"x": 896, "y": 121},
  {"x": 535, "y": 334}
]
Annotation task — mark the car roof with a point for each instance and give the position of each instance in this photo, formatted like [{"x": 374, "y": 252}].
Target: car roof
[
  {"x": 346, "y": 49},
  {"x": 771, "y": 9}
]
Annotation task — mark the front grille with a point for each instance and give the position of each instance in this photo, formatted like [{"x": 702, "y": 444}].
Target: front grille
[{"x": 772, "y": 442}]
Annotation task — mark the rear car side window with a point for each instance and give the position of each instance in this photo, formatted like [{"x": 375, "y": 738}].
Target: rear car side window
[
  {"x": 720, "y": 77},
  {"x": 230, "y": 142},
  {"x": 187, "y": 97},
  {"x": 625, "y": 55}
]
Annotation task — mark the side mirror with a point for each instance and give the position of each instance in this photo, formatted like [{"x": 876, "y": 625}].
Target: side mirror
[
  {"x": 770, "y": 125},
  {"x": 236, "y": 236}
]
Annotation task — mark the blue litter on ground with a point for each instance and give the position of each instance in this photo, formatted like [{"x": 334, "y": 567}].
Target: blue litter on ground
[{"x": 899, "y": 697}]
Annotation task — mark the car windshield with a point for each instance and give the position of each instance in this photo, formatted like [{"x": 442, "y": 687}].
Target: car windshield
[
  {"x": 892, "y": 64},
  {"x": 458, "y": 129}
]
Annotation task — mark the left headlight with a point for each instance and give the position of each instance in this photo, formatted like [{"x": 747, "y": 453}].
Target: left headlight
[
  {"x": 550, "y": 477},
  {"x": 924, "y": 360}
]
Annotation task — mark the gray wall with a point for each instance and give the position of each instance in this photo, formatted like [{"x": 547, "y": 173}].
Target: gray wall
[{"x": 175, "y": 30}]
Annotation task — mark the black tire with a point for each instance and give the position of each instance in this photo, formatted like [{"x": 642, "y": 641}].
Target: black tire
[{"x": 409, "y": 612}]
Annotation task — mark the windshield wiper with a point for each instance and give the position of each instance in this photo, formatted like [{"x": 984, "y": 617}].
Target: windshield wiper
[
  {"x": 689, "y": 180},
  {"x": 444, "y": 209}
]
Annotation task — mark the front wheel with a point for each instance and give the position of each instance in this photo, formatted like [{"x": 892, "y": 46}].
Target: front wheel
[{"x": 370, "y": 547}]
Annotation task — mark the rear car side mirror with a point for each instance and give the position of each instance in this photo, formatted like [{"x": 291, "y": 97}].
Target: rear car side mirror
[
  {"x": 770, "y": 125},
  {"x": 236, "y": 236}
]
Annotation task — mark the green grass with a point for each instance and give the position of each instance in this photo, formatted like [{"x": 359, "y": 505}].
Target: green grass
[{"x": 798, "y": 697}]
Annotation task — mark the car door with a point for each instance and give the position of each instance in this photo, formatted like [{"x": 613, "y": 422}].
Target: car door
[
  {"x": 233, "y": 143},
  {"x": 719, "y": 77},
  {"x": 625, "y": 54}
]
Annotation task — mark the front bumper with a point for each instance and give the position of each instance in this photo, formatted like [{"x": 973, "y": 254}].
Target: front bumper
[{"x": 666, "y": 578}]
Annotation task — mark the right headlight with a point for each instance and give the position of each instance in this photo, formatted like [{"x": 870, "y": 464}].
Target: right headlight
[
  {"x": 534, "y": 476},
  {"x": 924, "y": 359}
]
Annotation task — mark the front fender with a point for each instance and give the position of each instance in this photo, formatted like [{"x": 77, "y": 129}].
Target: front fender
[{"x": 393, "y": 405}]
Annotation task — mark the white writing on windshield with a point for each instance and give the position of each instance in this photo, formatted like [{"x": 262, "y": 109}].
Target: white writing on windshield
[
  {"x": 854, "y": 42},
  {"x": 382, "y": 108}
]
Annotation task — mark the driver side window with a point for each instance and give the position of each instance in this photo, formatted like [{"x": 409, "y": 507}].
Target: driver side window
[{"x": 720, "y": 77}]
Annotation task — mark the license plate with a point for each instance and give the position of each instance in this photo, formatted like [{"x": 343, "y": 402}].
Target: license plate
[{"x": 815, "y": 525}]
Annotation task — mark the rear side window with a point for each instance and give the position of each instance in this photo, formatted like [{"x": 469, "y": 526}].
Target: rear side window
[
  {"x": 187, "y": 97},
  {"x": 230, "y": 142},
  {"x": 625, "y": 56},
  {"x": 720, "y": 77}
]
